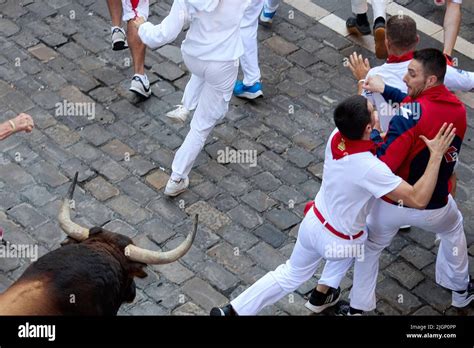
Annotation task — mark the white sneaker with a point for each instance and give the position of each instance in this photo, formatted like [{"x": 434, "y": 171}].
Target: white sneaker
[
  {"x": 119, "y": 39},
  {"x": 140, "y": 85},
  {"x": 174, "y": 188},
  {"x": 180, "y": 113}
]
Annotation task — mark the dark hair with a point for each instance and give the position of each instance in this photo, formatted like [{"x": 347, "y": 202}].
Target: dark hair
[
  {"x": 352, "y": 116},
  {"x": 433, "y": 61},
  {"x": 401, "y": 32}
]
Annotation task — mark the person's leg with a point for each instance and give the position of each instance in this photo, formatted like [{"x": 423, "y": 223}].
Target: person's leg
[
  {"x": 333, "y": 273},
  {"x": 115, "y": 10},
  {"x": 382, "y": 224},
  {"x": 119, "y": 41},
  {"x": 359, "y": 25},
  {"x": 287, "y": 277},
  {"x": 213, "y": 103},
  {"x": 140, "y": 83},
  {"x": 190, "y": 99},
  {"x": 379, "y": 7},
  {"x": 248, "y": 29},
  {"x": 452, "y": 260},
  {"x": 452, "y": 22},
  {"x": 268, "y": 12}
]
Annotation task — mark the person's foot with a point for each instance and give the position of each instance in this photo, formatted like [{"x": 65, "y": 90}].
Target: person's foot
[
  {"x": 344, "y": 309},
  {"x": 174, "y": 187},
  {"x": 462, "y": 299},
  {"x": 266, "y": 17},
  {"x": 358, "y": 25},
  {"x": 226, "y": 311},
  {"x": 180, "y": 113},
  {"x": 248, "y": 92},
  {"x": 119, "y": 39},
  {"x": 379, "y": 37},
  {"x": 318, "y": 301},
  {"x": 140, "y": 85}
]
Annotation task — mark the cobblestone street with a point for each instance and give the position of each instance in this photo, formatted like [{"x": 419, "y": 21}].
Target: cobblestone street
[{"x": 59, "y": 51}]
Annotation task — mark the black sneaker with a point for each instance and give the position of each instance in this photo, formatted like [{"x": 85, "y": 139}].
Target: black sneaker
[
  {"x": 318, "y": 301},
  {"x": 356, "y": 28},
  {"x": 226, "y": 311},
  {"x": 344, "y": 309},
  {"x": 464, "y": 298}
]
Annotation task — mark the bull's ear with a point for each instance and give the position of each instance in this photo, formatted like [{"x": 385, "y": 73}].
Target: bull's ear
[{"x": 136, "y": 269}]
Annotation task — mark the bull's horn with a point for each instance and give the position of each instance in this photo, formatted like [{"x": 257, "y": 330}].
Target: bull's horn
[
  {"x": 72, "y": 229},
  {"x": 150, "y": 257}
]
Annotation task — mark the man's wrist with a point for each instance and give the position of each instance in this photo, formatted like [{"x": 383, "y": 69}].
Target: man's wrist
[{"x": 12, "y": 124}]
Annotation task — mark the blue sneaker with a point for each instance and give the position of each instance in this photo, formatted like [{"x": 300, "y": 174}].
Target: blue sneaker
[
  {"x": 266, "y": 18},
  {"x": 248, "y": 92}
]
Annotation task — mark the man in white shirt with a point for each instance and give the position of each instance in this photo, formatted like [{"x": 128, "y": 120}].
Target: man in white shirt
[
  {"x": 334, "y": 223},
  {"x": 211, "y": 51}
]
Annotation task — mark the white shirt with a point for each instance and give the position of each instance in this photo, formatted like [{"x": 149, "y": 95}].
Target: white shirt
[
  {"x": 393, "y": 73},
  {"x": 214, "y": 32},
  {"x": 350, "y": 186}
]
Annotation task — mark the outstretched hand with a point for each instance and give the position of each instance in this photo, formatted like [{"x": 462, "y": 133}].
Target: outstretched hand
[
  {"x": 442, "y": 141},
  {"x": 359, "y": 66}
]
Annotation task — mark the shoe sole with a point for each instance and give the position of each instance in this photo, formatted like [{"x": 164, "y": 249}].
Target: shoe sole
[
  {"x": 319, "y": 309},
  {"x": 182, "y": 119},
  {"x": 266, "y": 23},
  {"x": 217, "y": 312},
  {"x": 380, "y": 47},
  {"x": 137, "y": 91},
  {"x": 356, "y": 31},
  {"x": 119, "y": 46},
  {"x": 174, "y": 194},
  {"x": 251, "y": 96}
]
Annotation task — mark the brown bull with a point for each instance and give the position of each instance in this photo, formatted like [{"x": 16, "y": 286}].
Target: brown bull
[{"x": 91, "y": 274}]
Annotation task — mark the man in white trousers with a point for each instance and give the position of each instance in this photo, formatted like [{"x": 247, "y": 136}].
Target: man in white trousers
[
  {"x": 211, "y": 51},
  {"x": 427, "y": 105},
  {"x": 359, "y": 24},
  {"x": 402, "y": 39},
  {"x": 335, "y": 220}
]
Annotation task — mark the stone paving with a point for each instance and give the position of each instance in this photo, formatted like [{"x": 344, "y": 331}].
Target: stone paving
[{"x": 59, "y": 51}]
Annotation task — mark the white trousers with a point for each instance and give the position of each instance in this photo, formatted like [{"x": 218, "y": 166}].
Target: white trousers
[
  {"x": 209, "y": 91},
  {"x": 383, "y": 223},
  {"x": 142, "y": 10},
  {"x": 314, "y": 243},
  {"x": 248, "y": 30},
  {"x": 360, "y": 6},
  {"x": 272, "y": 5}
]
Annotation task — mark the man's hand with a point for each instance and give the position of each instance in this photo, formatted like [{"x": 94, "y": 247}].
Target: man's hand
[
  {"x": 374, "y": 84},
  {"x": 442, "y": 141},
  {"x": 138, "y": 21},
  {"x": 23, "y": 122},
  {"x": 359, "y": 66}
]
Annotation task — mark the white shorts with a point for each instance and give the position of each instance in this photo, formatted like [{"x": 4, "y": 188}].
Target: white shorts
[{"x": 142, "y": 9}]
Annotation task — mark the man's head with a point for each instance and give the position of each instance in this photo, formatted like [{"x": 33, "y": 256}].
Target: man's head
[
  {"x": 355, "y": 118},
  {"x": 426, "y": 70},
  {"x": 401, "y": 36}
]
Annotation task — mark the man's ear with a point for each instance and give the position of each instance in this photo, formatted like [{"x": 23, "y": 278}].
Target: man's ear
[{"x": 432, "y": 80}]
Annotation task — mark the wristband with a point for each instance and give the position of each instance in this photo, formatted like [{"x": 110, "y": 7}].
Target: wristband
[{"x": 12, "y": 124}]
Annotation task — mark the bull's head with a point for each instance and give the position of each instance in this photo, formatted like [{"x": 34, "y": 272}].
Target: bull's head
[{"x": 133, "y": 252}]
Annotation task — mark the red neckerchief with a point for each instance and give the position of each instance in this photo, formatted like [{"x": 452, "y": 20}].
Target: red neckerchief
[
  {"x": 341, "y": 146},
  {"x": 400, "y": 59}
]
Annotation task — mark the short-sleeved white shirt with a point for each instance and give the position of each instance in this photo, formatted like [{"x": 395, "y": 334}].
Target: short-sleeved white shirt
[{"x": 350, "y": 186}]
